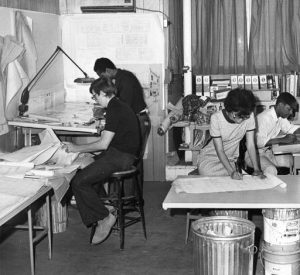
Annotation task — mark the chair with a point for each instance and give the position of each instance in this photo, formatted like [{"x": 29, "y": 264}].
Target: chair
[{"x": 126, "y": 204}]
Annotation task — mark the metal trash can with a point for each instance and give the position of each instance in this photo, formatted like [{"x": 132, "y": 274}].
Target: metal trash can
[{"x": 223, "y": 245}]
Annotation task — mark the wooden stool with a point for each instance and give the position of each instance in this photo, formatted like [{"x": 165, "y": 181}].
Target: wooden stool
[{"x": 125, "y": 204}]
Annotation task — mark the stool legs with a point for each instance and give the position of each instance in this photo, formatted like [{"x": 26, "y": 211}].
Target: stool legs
[
  {"x": 121, "y": 218},
  {"x": 141, "y": 204},
  {"x": 126, "y": 203}
]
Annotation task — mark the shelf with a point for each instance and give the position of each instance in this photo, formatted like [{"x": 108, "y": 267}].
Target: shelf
[{"x": 190, "y": 124}]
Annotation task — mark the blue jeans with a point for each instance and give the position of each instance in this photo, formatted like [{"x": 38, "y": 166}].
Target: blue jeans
[{"x": 86, "y": 181}]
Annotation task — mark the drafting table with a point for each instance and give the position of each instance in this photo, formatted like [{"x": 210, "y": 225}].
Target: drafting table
[
  {"x": 27, "y": 205},
  {"x": 293, "y": 149},
  {"x": 277, "y": 197},
  {"x": 71, "y": 117}
]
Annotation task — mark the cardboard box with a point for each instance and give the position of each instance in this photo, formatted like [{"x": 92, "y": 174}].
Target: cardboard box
[{"x": 263, "y": 95}]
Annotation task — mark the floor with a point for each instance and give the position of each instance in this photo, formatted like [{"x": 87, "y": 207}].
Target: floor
[{"x": 164, "y": 252}]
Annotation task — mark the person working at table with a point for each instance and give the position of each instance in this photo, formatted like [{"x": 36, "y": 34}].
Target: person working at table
[
  {"x": 227, "y": 128},
  {"x": 271, "y": 125},
  {"x": 119, "y": 143},
  {"x": 129, "y": 90}
]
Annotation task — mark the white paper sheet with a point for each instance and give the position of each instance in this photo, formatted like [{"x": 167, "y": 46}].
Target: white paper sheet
[
  {"x": 8, "y": 203},
  {"x": 15, "y": 169},
  {"x": 198, "y": 184}
]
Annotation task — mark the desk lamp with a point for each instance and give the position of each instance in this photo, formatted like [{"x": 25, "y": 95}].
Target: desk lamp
[{"x": 25, "y": 94}]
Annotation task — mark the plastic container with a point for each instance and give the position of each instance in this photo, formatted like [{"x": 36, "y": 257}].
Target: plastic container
[
  {"x": 281, "y": 229},
  {"x": 280, "y": 262},
  {"x": 223, "y": 245}
]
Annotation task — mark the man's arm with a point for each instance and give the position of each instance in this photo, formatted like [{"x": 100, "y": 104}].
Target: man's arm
[
  {"x": 99, "y": 145},
  {"x": 287, "y": 139}
]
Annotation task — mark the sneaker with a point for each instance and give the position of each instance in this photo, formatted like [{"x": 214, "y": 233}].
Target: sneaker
[
  {"x": 103, "y": 229},
  {"x": 110, "y": 208}
]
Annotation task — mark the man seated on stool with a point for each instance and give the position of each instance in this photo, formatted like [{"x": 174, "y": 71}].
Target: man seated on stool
[
  {"x": 271, "y": 124},
  {"x": 119, "y": 143}
]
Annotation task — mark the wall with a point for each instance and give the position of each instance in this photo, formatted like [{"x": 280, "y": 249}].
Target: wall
[
  {"x": 117, "y": 36},
  {"x": 47, "y": 6},
  {"x": 132, "y": 41},
  {"x": 49, "y": 90}
]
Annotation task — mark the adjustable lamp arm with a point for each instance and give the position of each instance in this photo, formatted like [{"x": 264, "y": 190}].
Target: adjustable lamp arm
[
  {"x": 25, "y": 94},
  {"x": 60, "y": 49}
]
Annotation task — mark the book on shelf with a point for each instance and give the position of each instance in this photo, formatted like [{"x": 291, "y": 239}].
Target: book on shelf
[
  {"x": 206, "y": 84},
  {"x": 255, "y": 83},
  {"x": 234, "y": 81},
  {"x": 241, "y": 81},
  {"x": 270, "y": 81},
  {"x": 248, "y": 82},
  {"x": 263, "y": 81},
  {"x": 199, "y": 86}
]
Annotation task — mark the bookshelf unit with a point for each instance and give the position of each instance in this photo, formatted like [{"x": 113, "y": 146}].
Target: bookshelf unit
[{"x": 266, "y": 88}]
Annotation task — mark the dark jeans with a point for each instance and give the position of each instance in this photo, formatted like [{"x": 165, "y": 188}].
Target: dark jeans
[
  {"x": 145, "y": 127},
  {"x": 86, "y": 181}
]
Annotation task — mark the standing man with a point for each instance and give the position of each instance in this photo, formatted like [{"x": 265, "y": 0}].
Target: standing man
[
  {"x": 119, "y": 143},
  {"x": 129, "y": 90},
  {"x": 273, "y": 127}
]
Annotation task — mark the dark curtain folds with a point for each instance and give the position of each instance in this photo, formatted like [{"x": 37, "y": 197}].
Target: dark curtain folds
[
  {"x": 176, "y": 36},
  {"x": 219, "y": 36},
  {"x": 274, "y": 40}
]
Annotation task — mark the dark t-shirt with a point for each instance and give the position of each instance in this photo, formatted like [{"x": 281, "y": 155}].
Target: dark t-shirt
[
  {"x": 130, "y": 90},
  {"x": 121, "y": 120}
]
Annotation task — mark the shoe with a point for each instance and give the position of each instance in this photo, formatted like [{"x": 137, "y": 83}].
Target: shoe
[
  {"x": 103, "y": 229},
  {"x": 93, "y": 229},
  {"x": 110, "y": 208}
]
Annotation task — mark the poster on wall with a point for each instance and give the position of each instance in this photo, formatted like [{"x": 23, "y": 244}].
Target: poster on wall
[{"x": 133, "y": 42}]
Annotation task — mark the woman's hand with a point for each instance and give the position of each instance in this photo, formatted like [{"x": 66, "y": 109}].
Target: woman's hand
[
  {"x": 258, "y": 173},
  {"x": 236, "y": 175}
]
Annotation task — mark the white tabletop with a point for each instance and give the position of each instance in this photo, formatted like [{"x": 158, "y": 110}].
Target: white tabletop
[
  {"x": 277, "y": 197},
  {"x": 72, "y": 117}
]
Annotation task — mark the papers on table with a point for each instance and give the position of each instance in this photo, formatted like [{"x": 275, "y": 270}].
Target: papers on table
[
  {"x": 50, "y": 149},
  {"x": 15, "y": 169},
  {"x": 14, "y": 192},
  {"x": 198, "y": 184},
  {"x": 22, "y": 188}
]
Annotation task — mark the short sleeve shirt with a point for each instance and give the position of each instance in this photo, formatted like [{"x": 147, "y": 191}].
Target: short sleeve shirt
[
  {"x": 269, "y": 126},
  {"x": 230, "y": 132},
  {"x": 121, "y": 120}
]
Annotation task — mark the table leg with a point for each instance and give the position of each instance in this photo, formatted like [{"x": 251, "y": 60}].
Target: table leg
[
  {"x": 30, "y": 240},
  {"x": 49, "y": 226}
]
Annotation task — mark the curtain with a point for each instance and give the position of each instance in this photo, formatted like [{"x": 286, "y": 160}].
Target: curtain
[
  {"x": 175, "y": 35},
  {"x": 274, "y": 36},
  {"x": 219, "y": 36}
]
